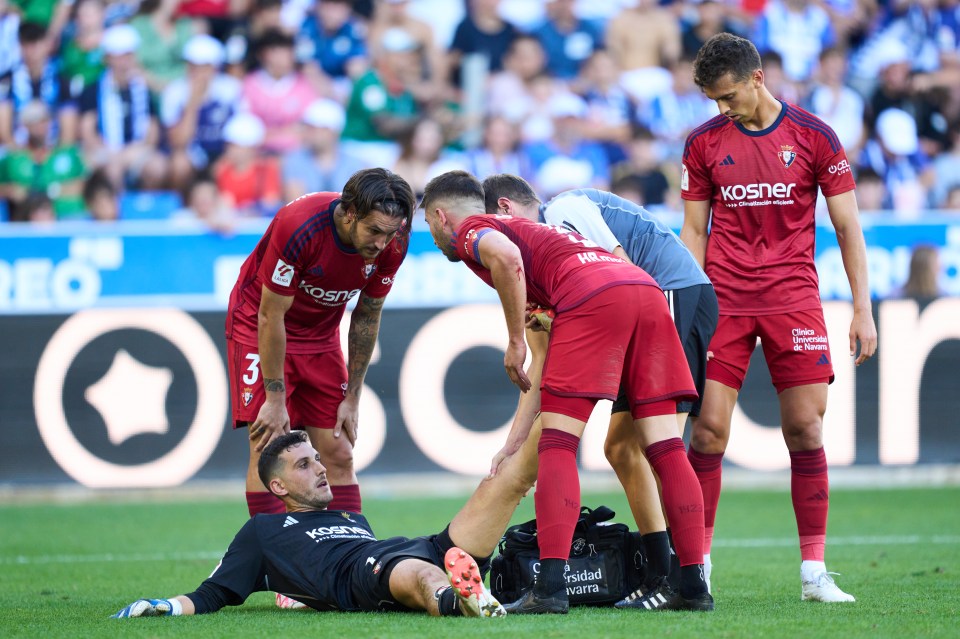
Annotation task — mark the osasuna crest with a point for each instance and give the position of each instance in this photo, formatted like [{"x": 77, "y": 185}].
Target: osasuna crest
[
  {"x": 247, "y": 395},
  {"x": 786, "y": 155},
  {"x": 368, "y": 269}
]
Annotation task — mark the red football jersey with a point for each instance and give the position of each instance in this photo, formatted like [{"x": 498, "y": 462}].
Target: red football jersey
[
  {"x": 562, "y": 268},
  {"x": 300, "y": 254},
  {"x": 762, "y": 186}
]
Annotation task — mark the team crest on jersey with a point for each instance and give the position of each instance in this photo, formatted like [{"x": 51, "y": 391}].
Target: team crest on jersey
[
  {"x": 369, "y": 269},
  {"x": 787, "y": 155},
  {"x": 247, "y": 395}
]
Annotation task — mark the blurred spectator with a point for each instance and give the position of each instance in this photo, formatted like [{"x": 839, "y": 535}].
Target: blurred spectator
[
  {"x": 837, "y": 104},
  {"x": 851, "y": 20},
  {"x": 421, "y": 155},
  {"x": 162, "y": 36},
  {"x": 567, "y": 40},
  {"x": 81, "y": 58},
  {"x": 43, "y": 167},
  {"x": 393, "y": 14},
  {"x": 946, "y": 169},
  {"x": 952, "y": 201},
  {"x": 118, "y": 126},
  {"x": 707, "y": 20},
  {"x": 36, "y": 209},
  {"x": 217, "y": 14},
  {"x": 277, "y": 93},
  {"x": 871, "y": 191},
  {"x": 569, "y": 114},
  {"x": 481, "y": 31},
  {"x": 561, "y": 173},
  {"x": 206, "y": 205},
  {"x": 36, "y": 77},
  {"x": 675, "y": 113},
  {"x": 195, "y": 108},
  {"x": 642, "y": 170},
  {"x": 249, "y": 181},
  {"x": 332, "y": 42},
  {"x": 798, "y": 30},
  {"x": 119, "y": 11},
  {"x": 776, "y": 81},
  {"x": 500, "y": 152},
  {"x": 382, "y": 104},
  {"x": 610, "y": 109},
  {"x": 628, "y": 187},
  {"x": 246, "y": 32},
  {"x": 895, "y": 155},
  {"x": 320, "y": 164},
  {"x": 923, "y": 278},
  {"x": 643, "y": 60},
  {"x": 100, "y": 198},
  {"x": 509, "y": 91},
  {"x": 9, "y": 40}
]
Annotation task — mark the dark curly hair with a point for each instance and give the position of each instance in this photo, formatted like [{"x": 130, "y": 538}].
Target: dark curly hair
[
  {"x": 379, "y": 190},
  {"x": 722, "y": 54}
]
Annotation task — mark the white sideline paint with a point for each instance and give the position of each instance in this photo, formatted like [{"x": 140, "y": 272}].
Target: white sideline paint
[{"x": 769, "y": 542}]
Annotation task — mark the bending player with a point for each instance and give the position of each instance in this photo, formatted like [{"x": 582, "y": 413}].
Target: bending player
[
  {"x": 283, "y": 323},
  {"x": 630, "y": 232},
  {"x": 559, "y": 269}
]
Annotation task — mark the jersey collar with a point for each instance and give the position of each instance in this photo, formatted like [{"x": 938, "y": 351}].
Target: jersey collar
[{"x": 769, "y": 129}]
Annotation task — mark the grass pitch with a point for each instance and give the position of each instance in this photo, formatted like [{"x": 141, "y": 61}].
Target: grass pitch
[{"x": 65, "y": 569}]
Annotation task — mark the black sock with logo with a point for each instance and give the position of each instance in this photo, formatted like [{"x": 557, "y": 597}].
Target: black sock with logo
[
  {"x": 551, "y": 578},
  {"x": 656, "y": 545},
  {"x": 692, "y": 583}
]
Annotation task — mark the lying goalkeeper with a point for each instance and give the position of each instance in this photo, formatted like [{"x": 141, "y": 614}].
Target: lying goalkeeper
[{"x": 330, "y": 560}]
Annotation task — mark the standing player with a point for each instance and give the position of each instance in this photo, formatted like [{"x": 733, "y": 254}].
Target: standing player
[
  {"x": 283, "y": 322},
  {"x": 752, "y": 174},
  {"x": 588, "y": 287},
  {"x": 630, "y": 232}
]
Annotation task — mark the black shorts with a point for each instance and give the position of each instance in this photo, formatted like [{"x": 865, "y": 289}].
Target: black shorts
[{"x": 695, "y": 314}]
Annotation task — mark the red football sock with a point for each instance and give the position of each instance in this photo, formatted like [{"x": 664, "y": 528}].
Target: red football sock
[
  {"x": 682, "y": 499},
  {"x": 263, "y": 502},
  {"x": 810, "y": 489},
  {"x": 708, "y": 467},
  {"x": 557, "y": 499},
  {"x": 346, "y": 497}
]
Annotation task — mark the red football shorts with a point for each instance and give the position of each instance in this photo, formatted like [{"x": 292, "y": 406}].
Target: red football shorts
[
  {"x": 625, "y": 330},
  {"x": 316, "y": 383},
  {"x": 794, "y": 345}
]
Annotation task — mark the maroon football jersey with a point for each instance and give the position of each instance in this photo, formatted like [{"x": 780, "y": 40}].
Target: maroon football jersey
[
  {"x": 300, "y": 254},
  {"x": 562, "y": 268},
  {"x": 762, "y": 188}
]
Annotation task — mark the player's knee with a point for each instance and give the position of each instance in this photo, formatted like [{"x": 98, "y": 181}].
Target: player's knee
[
  {"x": 621, "y": 453},
  {"x": 338, "y": 459},
  {"x": 709, "y": 435},
  {"x": 803, "y": 433}
]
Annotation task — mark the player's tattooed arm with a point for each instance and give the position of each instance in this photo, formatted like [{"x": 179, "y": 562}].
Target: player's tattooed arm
[
  {"x": 273, "y": 385},
  {"x": 361, "y": 340}
]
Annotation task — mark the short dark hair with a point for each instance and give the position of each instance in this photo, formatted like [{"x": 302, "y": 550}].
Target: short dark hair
[
  {"x": 269, "y": 464},
  {"x": 722, "y": 54},
  {"x": 510, "y": 186},
  {"x": 274, "y": 38},
  {"x": 31, "y": 32},
  {"x": 379, "y": 190},
  {"x": 452, "y": 185}
]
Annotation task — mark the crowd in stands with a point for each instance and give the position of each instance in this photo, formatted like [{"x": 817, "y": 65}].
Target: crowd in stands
[{"x": 220, "y": 110}]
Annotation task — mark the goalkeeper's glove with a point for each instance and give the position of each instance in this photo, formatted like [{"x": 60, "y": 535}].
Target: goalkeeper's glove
[{"x": 150, "y": 608}]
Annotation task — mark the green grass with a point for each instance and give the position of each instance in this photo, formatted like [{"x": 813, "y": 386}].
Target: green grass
[{"x": 65, "y": 569}]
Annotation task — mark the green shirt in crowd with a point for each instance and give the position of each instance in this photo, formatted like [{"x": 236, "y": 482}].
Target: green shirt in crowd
[
  {"x": 63, "y": 165},
  {"x": 370, "y": 98}
]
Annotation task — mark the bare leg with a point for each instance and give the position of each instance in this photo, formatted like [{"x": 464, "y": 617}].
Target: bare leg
[
  {"x": 623, "y": 451},
  {"x": 479, "y": 525},
  {"x": 413, "y": 583}
]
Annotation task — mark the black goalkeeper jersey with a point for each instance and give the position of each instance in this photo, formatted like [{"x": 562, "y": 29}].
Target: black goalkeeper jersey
[{"x": 313, "y": 556}]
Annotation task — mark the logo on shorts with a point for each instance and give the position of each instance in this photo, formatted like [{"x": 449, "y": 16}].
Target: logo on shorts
[
  {"x": 823, "y": 361},
  {"x": 376, "y": 569},
  {"x": 247, "y": 395},
  {"x": 787, "y": 155},
  {"x": 282, "y": 274},
  {"x": 807, "y": 339}
]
